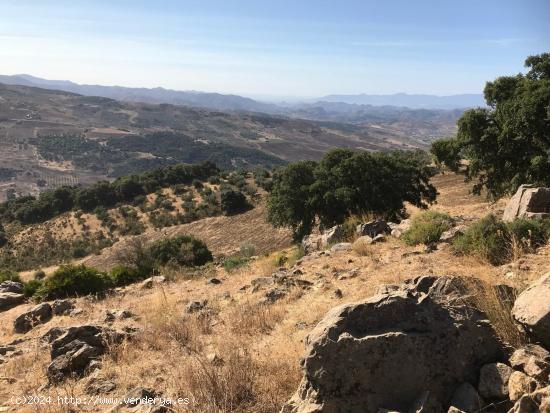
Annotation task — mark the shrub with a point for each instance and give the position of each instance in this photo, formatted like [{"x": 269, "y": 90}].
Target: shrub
[
  {"x": 233, "y": 202},
  {"x": 427, "y": 227},
  {"x": 487, "y": 238},
  {"x": 183, "y": 250},
  {"x": 69, "y": 280},
  {"x": 30, "y": 288},
  {"x": 232, "y": 263},
  {"x": 9, "y": 275},
  {"x": 123, "y": 275},
  {"x": 247, "y": 249},
  {"x": 499, "y": 242}
]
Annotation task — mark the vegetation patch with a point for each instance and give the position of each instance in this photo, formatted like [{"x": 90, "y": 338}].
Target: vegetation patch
[
  {"x": 183, "y": 250},
  {"x": 498, "y": 242},
  {"x": 427, "y": 227},
  {"x": 71, "y": 281}
]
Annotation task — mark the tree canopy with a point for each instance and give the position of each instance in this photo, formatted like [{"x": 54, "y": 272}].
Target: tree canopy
[
  {"x": 508, "y": 143},
  {"x": 346, "y": 183}
]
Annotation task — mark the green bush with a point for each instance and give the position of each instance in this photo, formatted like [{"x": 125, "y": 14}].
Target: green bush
[
  {"x": 123, "y": 275},
  {"x": 183, "y": 250},
  {"x": 530, "y": 233},
  {"x": 9, "y": 275},
  {"x": 427, "y": 227},
  {"x": 30, "y": 287},
  {"x": 69, "y": 280},
  {"x": 497, "y": 242},
  {"x": 233, "y": 202},
  {"x": 232, "y": 263},
  {"x": 487, "y": 238}
]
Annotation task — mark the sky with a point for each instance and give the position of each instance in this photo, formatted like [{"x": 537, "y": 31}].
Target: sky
[{"x": 276, "y": 48}]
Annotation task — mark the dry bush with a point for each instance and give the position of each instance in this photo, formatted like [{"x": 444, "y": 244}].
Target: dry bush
[
  {"x": 252, "y": 319},
  {"x": 363, "y": 248},
  {"x": 497, "y": 304}
]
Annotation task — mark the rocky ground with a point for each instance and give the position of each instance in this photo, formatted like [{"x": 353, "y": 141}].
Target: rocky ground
[{"x": 228, "y": 342}]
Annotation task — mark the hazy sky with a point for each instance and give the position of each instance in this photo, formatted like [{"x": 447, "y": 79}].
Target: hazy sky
[{"x": 276, "y": 47}]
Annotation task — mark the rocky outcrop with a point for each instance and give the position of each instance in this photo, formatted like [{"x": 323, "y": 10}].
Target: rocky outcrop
[
  {"x": 528, "y": 202},
  {"x": 413, "y": 346},
  {"x": 39, "y": 314},
  {"x": 62, "y": 307},
  {"x": 373, "y": 228},
  {"x": 397, "y": 230},
  {"x": 9, "y": 300},
  {"x": 532, "y": 310},
  {"x": 73, "y": 351},
  {"x": 11, "y": 287},
  {"x": 315, "y": 242}
]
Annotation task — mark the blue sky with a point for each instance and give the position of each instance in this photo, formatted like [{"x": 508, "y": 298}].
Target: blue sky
[{"x": 275, "y": 48}]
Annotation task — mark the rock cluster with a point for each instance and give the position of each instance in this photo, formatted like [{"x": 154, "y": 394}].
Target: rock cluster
[
  {"x": 73, "y": 352},
  {"x": 11, "y": 295},
  {"x": 424, "y": 346},
  {"x": 528, "y": 202}
]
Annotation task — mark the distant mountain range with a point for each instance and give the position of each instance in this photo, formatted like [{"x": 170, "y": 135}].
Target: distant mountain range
[
  {"x": 411, "y": 101},
  {"x": 218, "y": 101},
  {"x": 157, "y": 95}
]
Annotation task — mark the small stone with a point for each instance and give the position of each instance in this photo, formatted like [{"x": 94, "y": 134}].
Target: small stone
[
  {"x": 337, "y": 294},
  {"x": 214, "y": 281},
  {"x": 520, "y": 384},
  {"x": 493, "y": 380},
  {"x": 196, "y": 305}
]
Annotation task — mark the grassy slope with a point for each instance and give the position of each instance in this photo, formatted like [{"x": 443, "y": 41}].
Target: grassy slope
[{"x": 261, "y": 345}]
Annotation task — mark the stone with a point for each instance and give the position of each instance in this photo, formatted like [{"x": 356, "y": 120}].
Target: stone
[
  {"x": 262, "y": 281},
  {"x": 151, "y": 281},
  {"x": 96, "y": 386},
  {"x": 214, "y": 281},
  {"x": 62, "y": 307},
  {"x": 398, "y": 230},
  {"x": 525, "y": 405},
  {"x": 493, "y": 381},
  {"x": 39, "y": 314},
  {"x": 532, "y": 310},
  {"x": 337, "y": 294},
  {"x": 73, "y": 352},
  {"x": 112, "y": 315},
  {"x": 528, "y": 202},
  {"x": 9, "y": 286},
  {"x": 9, "y": 300},
  {"x": 333, "y": 235},
  {"x": 520, "y": 384},
  {"x": 215, "y": 359},
  {"x": 52, "y": 334},
  {"x": 467, "y": 399},
  {"x": 342, "y": 246},
  {"x": 379, "y": 238},
  {"x": 373, "y": 228},
  {"x": 196, "y": 306},
  {"x": 452, "y": 233},
  {"x": 273, "y": 295},
  {"x": 359, "y": 357},
  {"x": 533, "y": 360},
  {"x": 311, "y": 243}
]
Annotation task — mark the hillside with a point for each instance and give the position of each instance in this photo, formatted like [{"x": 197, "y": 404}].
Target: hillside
[
  {"x": 51, "y": 138},
  {"x": 232, "y": 350}
]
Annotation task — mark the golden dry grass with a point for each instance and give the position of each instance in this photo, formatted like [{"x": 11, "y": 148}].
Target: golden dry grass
[{"x": 260, "y": 345}]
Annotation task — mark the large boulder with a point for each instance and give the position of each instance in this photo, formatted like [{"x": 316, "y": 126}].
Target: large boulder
[
  {"x": 388, "y": 351},
  {"x": 9, "y": 286},
  {"x": 532, "y": 310},
  {"x": 533, "y": 360},
  {"x": 333, "y": 235},
  {"x": 39, "y": 314},
  {"x": 528, "y": 202},
  {"x": 73, "y": 351},
  {"x": 9, "y": 300}
]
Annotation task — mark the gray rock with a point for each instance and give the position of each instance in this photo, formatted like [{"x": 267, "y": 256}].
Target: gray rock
[
  {"x": 342, "y": 246},
  {"x": 333, "y": 235},
  {"x": 214, "y": 281},
  {"x": 359, "y": 359},
  {"x": 9, "y": 300},
  {"x": 493, "y": 381},
  {"x": 467, "y": 399},
  {"x": 262, "y": 281},
  {"x": 398, "y": 230},
  {"x": 451, "y": 234},
  {"x": 528, "y": 202},
  {"x": 532, "y": 310},
  {"x": 373, "y": 228},
  {"x": 96, "y": 386},
  {"x": 525, "y": 405},
  {"x": 533, "y": 360},
  {"x": 273, "y": 295},
  {"x": 311, "y": 243},
  {"x": 62, "y": 307},
  {"x": 73, "y": 352},
  {"x": 9, "y": 286},
  {"x": 52, "y": 334},
  {"x": 151, "y": 281},
  {"x": 39, "y": 314},
  {"x": 196, "y": 306}
]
